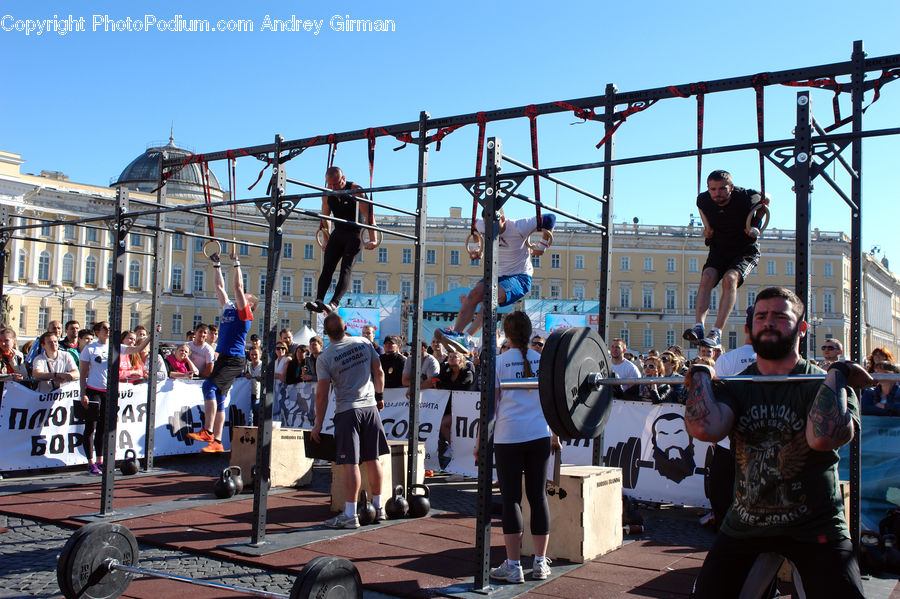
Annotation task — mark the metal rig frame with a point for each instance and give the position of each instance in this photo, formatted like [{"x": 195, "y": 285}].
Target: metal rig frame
[{"x": 795, "y": 157}]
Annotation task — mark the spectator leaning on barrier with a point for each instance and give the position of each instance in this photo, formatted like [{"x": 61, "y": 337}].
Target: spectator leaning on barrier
[
  {"x": 392, "y": 363},
  {"x": 179, "y": 363},
  {"x": 253, "y": 371},
  {"x": 315, "y": 348},
  {"x": 622, "y": 367},
  {"x": 878, "y": 355},
  {"x": 53, "y": 366},
  {"x": 202, "y": 353},
  {"x": 85, "y": 338},
  {"x": 883, "y": 399},
  {"x": 831, "y": 352},
  {"x": 54, "y": 326},
  {"x": 12, "y": 362},
  {"x": 71, "y": 338},
  {"x": 429, "y": 369}
]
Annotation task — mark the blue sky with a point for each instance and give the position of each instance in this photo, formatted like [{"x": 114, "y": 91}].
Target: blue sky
[{"x": 87, "y": 103}]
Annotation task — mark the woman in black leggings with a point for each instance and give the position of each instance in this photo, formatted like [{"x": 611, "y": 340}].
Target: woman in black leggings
[{"x": 522, "y": 446}]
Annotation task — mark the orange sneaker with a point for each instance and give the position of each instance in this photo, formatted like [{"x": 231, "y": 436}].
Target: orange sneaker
[
  {"x": 204, "y": 435},
  {"x": 213, "y": 447}
]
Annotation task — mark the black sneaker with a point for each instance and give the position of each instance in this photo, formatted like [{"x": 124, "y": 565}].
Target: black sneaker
[
  {"x": 314, "y": 306},
  {"x": 326, "y": 308},
  {"x": 693, "y": 334}
]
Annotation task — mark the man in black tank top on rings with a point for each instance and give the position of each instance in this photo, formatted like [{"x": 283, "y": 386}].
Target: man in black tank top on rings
[{"x": 344, "y": 243}]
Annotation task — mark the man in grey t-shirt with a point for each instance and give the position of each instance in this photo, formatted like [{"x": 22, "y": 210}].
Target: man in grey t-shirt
[{"x": 351, "y": 367}]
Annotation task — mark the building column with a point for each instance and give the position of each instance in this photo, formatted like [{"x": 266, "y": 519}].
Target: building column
[
  {"x": 35, "y": 252},
  {"x": 148, "y": 271},
  {"x": 103, "y": 262},
  {"x": 15, "y": 246},
  {"x": 187, "y": 277},
  {"x": 56, "y": 262},
  {"x": 80, "y": 260},
  {"x": 167, "y": 265}
]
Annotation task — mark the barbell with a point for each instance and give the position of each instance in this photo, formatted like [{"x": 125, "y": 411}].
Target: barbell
[
  {"x": 100, "y": 560},
  {"x": 576, "y": 382}
]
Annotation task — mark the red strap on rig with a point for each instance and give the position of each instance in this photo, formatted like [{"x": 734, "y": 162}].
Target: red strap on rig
[
  {"x": 759, "y": 84},
  {"x": 482, "y": 125},
  {"x": 370, "y": 136},
  {"x": 621, "y": 116},
  {"x": 332, "y": 149},
  {"x": 440, "y": 134},
  {"x": 262, "y": 170},
  {"x": 531, "y": 112},
  {"x": 586, "y": 114},
  {"x": 406, "y": 138},
  {"x": 701, "y": 107},
  {"x": 232, "y": 178},
  {"x": 204, "y": 176}
]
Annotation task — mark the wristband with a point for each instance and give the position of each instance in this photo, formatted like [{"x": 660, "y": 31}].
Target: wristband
[
  {"x": 217, "y": 265},
  {"x": 379, "y": 396},
  {"x": 842, "y": 367},
  {"x": 236, "y": 264}
]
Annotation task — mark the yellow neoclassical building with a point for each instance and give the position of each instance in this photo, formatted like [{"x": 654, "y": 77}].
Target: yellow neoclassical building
[{"x": 655, "y": 269}]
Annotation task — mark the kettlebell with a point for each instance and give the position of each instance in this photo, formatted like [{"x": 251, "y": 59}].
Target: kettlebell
[
  {"x": 419, "y": 505},
  {"x": 397, "y": 507},
  {"x": 129, "y": 465},
  {"x": 225, "y": 487},
  {"x": 237, "y": 478},
  {"x": 871, "y": 554},
  {"x": 365, "y": 511}
]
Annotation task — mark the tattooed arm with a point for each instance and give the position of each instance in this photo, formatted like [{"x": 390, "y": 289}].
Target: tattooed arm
[
  {"x": 706, "y": 418},
  {"x": 829, "y": 424}
]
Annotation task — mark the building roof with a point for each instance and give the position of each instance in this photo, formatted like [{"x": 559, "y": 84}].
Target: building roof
[{"x": 142, "y": 174}]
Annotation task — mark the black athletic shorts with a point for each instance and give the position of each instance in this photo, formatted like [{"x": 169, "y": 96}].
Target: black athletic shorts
[
  {"x": 359, "y": 436},
  {"x": 225, "y": 370},
  {"x": 743, "y": 260}
]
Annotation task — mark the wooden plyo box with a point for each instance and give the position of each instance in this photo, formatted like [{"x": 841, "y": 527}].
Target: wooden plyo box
[
  {"x": 585, "y": 514},
  {"x": 337, "y": 482},
  {"x": 399, "y": 464},
  {"x": 290, "y": 466}
]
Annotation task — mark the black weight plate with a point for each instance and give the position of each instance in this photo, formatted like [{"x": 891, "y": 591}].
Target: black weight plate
[
  {"x": 616, "y": 458},
  {"x": 546, "y": 390},
  {"x": 710, "y": 454},
  {"x": 583, "y": 410},
  {"x": 85, "y": 574},
  {"x": 326, "y": 577},
  {"x": 631, "y": 454},
  {"x": 65, "y": 555}
]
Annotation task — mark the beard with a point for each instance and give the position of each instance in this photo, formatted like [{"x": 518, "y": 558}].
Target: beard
[{"x": 774, "y": 349}]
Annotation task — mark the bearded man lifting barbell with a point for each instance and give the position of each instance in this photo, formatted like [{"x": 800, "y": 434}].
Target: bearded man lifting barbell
[{"x": 785, "y": 438}]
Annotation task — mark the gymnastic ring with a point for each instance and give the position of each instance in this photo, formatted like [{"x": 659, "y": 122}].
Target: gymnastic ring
[
  {"x": 322, "y": 236},
  {"x": 764, "y": 222},
  {"x": 211, "y": 248},
  {"x": 479, "y": 248},
  {"x": 379, "y": 237},
  {"x": 545, "y": 234}
]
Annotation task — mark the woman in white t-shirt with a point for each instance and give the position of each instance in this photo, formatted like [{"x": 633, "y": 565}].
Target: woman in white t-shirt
[
  {"x": 93, "y": 362},
  {"x": 53, "y": 367},
  {"x": 522, "y": 447}
]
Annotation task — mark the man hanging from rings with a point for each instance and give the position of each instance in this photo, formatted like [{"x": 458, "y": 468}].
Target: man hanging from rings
[
  {"x": 343, "y": 244},
  {"x": 514, "y": 282},
  {"x": 731, "y": 226}
]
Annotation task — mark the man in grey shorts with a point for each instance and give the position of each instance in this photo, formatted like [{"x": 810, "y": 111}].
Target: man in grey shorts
[{"x": 350, "y": 365}]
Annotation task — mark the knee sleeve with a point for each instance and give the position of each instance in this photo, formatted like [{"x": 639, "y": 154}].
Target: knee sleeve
[
  {"x": 220, "y": 402},
  {"x": 209, "y": 389}
]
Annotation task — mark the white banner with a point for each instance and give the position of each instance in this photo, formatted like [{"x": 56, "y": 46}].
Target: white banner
[
  {"x": 42, "y": 430},
  {"x": 660, "y": 462}
]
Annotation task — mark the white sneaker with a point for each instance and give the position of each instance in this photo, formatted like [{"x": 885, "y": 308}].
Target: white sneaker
[
  {"x": 343, "y": 521},
  {"x": 541, "y": 569},
  {"x": 508, "y": 573},
  {"x": 380, "y": 516}
]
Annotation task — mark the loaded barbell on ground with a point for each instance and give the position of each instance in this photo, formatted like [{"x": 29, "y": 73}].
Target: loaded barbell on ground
[
  {"x": 576, "y": 382},
  {"x": 100, "y": 560}
]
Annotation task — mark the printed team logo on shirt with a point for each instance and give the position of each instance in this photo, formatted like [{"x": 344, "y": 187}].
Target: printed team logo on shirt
[{"x": 770, "y": 463}]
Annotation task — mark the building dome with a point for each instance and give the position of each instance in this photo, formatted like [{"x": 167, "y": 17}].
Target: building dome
[{"x": 142, "y": 175}]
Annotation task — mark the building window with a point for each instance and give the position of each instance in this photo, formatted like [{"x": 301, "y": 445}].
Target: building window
[
  {"x": 198, "y": 244},
  {"x": 177, "y": 279},
  {"x": 243, "y": 250},
  {"x": 43, "y": 318},
  {"x": 693, "y": 266},
  {"x": 69, "y": 231},
  {"x": 477, "y": 261},
  {"x": 535, "y": 292},
  {"x": 287, "y": 286},
  {"x": 671, "y": 295},
  {"x": 23, "y": 265},
  {"x": 770, "y": 268},
  {"x": 307, "y": 251},
  {"x": 110, "y": 273},
  {"x": 263, "y": 252},
  {"x": 333, "y": 285},
  {"x": 356, "y": 286},
  {"x": 648, "y": 263},
  {"x": 134, "y": 274},
  {"x": 198, "y": 320},
  {"x": 430, "y": 289},
  {"x": 430, "y": 257},
  {"x": 670, "y": 338},
  {"x": 454, "y": 257},
  {"x": 262, "y": 284},
  {"x": 670, "y": 264},
  {"x": 45, "y": 230},
  {"x": 751, "y": 298},
  {"x": 284, "y": 323},
  {"x": 199, "y": 280},
  {"x": 578, "y": 291},
  {"x": 245, "y": 280},
  {"x": 287, "y": 250},
  {"x": 176, "y": 324},
  {"x": 648, "y": 338},
  {"x": 90, "y": 271},
  {"x": 90, "y": 317},
  {"x": 134, "y": 321},
  {"x": 308, "y": 287},
  {"x": 713, "y": 300},
  {"x": 555, "y": 291},
  {"x": 178, "y": 241},
  {"x": 22, "y": 316},
  {"x": 536, "y": 261},
  {"x": 828, "y": 302},
  {"x": 68, "y": 269},
  {"x": 692, "y": 299},
  {"x": 44, "y": 268},
  {"x": 554, "y": 260},
  {"x": 381, "y": 286},
  {"x": 828, "y": 269},
  {"x": 732, "y": 340},
  {"x": 625, "y": 263},
  {"x": 647, "y": 299},
  {"x": 624, "y": 297},
  {"x": 135, "y": 240},
  {"x": 406, "y": 289},
  {"x": 91, "y": 234},
  {"x": 382, "y": 255},
  {"x": 579, "y": 262},
  {"x": 625, "y": 336},
  {"x": 789, "y": 268},
  {"x": 406, "y": 256}
]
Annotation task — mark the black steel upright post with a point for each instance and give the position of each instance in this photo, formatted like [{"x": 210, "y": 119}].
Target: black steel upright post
[
  {"x": 803, "y": 193},
  {"x": 156, "y": 282},
  {"x": 4, "y": 239},
  {"x": 488, "y": 364},
  {"x": 412, "y": 451},
  {"x": 609, "y": 151},
  {"x": 275, "y": 214},
  {"x": 857, "y": 81},
  {"x": 110, "y": 415}
]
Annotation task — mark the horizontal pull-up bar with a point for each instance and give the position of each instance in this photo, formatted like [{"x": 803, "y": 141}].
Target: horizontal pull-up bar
[
  {"x": 315, "y": 215},
  {"x": 350, "y": 192},
  {"x": 555, "y": 180},
  {"x": 203, "y": 213},
  {"x": 199, "y": 235},
  {"x": 543, "y": 206}
]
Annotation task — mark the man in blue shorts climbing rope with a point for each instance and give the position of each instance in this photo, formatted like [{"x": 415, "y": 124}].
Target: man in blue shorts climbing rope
[
  {"x": 514, "y": 262},
  {"x": 233, "y": 327}
]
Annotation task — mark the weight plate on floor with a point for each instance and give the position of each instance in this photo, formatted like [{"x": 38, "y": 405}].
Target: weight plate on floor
[
  {"x": 326, "y": 577},
  {"x": 83, "y": 573},
  {"x": 583, "y": 409}
]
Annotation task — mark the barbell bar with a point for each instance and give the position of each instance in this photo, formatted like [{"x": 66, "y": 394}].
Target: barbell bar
[{"x": 597, "y": 380}]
